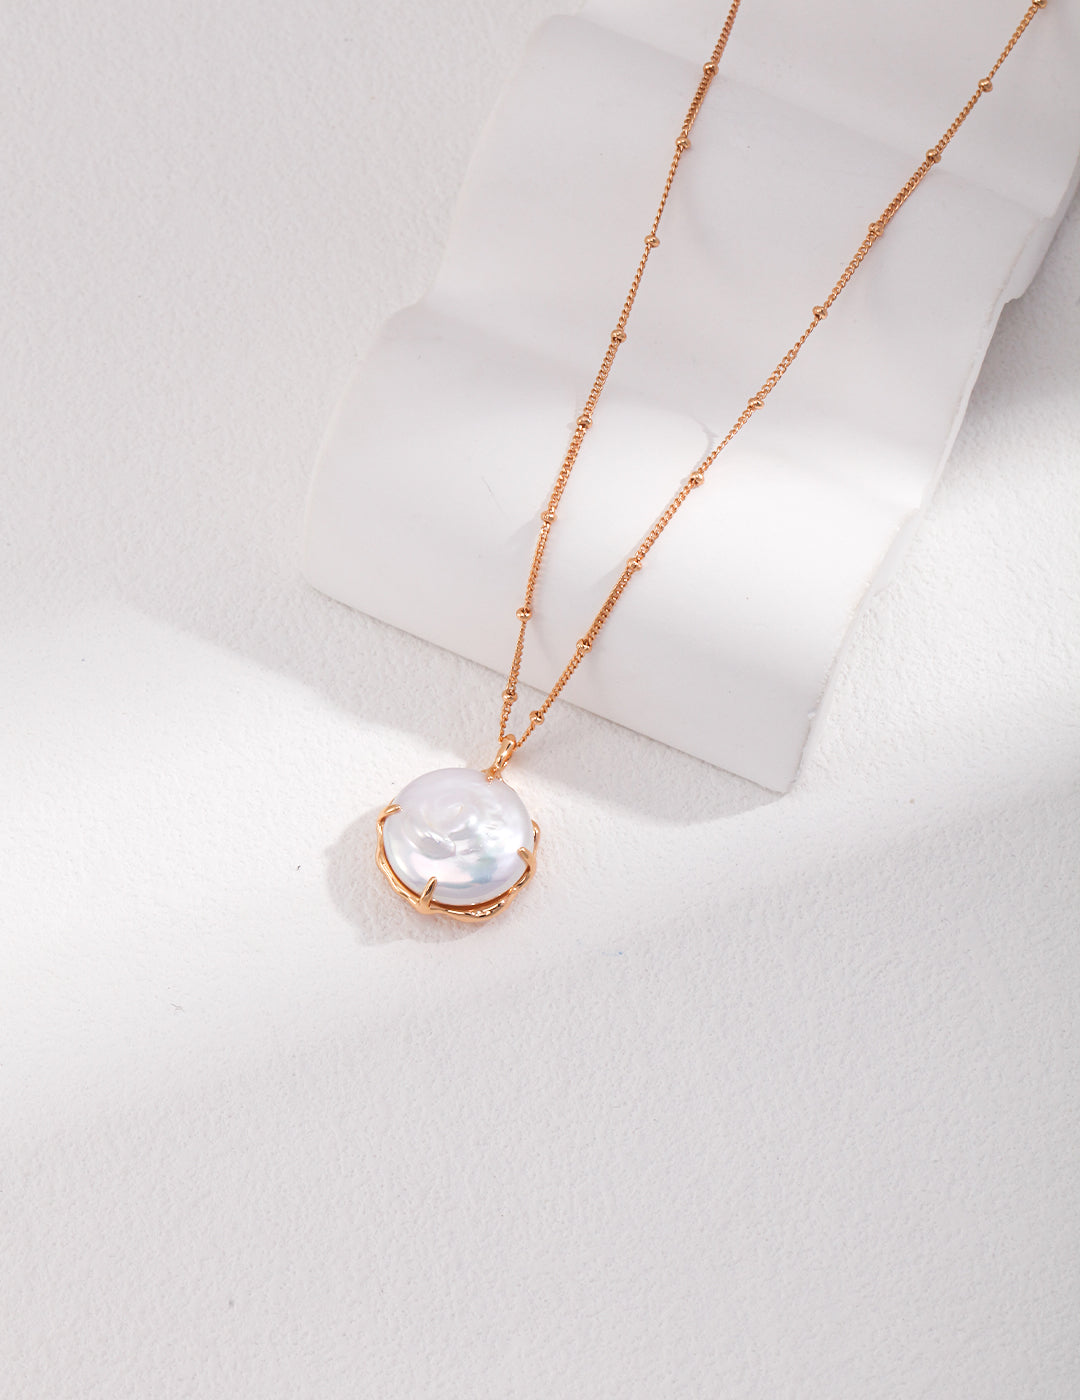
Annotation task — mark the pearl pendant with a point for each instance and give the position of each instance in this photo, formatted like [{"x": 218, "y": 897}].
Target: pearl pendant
[{"x": 457, "y": 842}]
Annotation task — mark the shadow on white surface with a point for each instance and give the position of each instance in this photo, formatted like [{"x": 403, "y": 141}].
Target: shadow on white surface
[
  {"x": 361, "y": 896},
  {"x": 849, "y": 1084}
]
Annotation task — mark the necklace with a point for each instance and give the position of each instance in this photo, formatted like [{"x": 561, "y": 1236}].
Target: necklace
[{"x": 459, "y": 841}]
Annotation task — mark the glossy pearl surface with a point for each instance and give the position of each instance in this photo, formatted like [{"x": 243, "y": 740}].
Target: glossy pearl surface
[{"x": 461, "y": 828}]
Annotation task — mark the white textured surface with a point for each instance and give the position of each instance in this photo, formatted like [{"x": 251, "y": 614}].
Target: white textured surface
[{"x": 744, "y": 1098}]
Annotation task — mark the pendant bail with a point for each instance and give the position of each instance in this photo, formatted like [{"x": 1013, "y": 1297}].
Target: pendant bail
[{"x": 502, "y": 758}]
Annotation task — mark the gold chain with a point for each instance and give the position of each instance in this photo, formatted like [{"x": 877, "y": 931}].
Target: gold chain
[{"x": 509, "y": 744}]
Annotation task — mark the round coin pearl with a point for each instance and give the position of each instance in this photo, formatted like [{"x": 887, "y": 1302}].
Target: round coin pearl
[{"x": 461, "y": 828}]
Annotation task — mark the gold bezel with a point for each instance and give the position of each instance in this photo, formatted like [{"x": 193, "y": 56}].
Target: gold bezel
[{"x": 426, "y": 903}]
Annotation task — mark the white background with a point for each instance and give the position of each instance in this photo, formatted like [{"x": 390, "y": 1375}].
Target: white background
[{"x": 747, "y": 1097}]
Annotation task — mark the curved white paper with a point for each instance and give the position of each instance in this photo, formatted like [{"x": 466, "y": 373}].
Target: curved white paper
[{"x": 425, "y": 502}]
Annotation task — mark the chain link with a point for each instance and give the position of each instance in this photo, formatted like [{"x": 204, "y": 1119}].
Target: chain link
[{"x": 509, "y": 744}]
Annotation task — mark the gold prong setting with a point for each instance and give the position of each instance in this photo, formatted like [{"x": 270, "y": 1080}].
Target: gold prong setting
[
  {"x": 425, "y": 899},
  {"x": 452, "y": 817}
]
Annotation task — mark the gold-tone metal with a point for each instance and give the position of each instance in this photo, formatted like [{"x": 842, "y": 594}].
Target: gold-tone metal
[
  {"x": 502, "y": 758},
  {"x": 425, "y": 903},
  {"x": 756, "y": 401}
]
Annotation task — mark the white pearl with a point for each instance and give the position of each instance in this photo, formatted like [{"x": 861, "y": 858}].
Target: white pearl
[{"x": 461, "y": 828}]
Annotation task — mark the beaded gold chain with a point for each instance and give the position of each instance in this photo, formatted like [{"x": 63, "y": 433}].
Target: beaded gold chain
[{"x": 509, "y": 743}]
